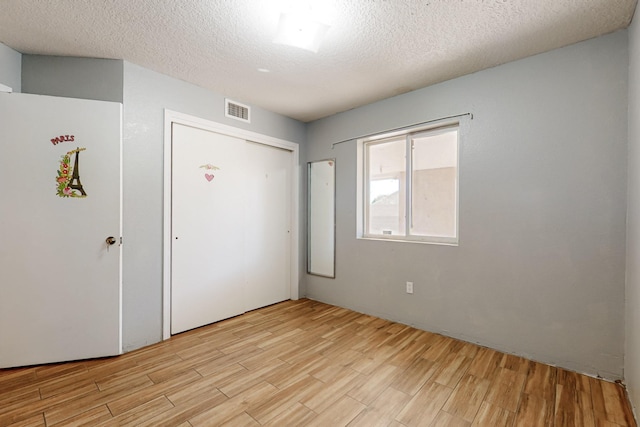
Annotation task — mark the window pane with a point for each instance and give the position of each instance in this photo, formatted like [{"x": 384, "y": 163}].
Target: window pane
[
  {"x": 433, "y": 187},
  {"x": 386, "y": 188}
]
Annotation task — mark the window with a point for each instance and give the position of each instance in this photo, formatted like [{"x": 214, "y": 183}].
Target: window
[{"x": 418, "y": 205}]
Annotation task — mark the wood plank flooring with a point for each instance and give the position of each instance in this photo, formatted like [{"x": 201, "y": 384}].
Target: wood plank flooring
[{"x": 305, "y": 363}]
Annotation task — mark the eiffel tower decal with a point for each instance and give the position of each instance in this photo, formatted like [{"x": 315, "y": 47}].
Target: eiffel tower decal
[
  {"x": 68, "y": 182},
  {"x": 75, "y": 177}
]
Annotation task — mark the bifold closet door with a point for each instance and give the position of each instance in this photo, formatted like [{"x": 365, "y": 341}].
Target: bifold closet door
[{"x": 208, "y": 181}]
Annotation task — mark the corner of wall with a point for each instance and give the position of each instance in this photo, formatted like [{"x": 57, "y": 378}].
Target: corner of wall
[
  {"x": 10, "y": 68},
  {"x": 632, "y": 280}
]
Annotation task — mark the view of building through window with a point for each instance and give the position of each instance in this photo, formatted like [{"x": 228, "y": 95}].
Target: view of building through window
[{"x": 421, "y": 205}]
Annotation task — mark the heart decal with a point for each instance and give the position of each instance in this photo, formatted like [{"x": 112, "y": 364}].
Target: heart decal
[{"x": 208, "y": 176}]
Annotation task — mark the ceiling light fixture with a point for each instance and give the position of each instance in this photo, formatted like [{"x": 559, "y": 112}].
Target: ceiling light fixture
[{"x": 300, "y": 30}]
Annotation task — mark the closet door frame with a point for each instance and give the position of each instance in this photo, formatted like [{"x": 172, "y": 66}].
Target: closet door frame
[{"x": 171, "y": 117}]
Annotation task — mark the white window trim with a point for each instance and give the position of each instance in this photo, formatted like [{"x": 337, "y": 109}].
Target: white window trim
[{"x": 362, "y": 191}]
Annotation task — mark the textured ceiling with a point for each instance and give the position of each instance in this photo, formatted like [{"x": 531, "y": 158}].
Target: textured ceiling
[{"x": 374, "y": 49}]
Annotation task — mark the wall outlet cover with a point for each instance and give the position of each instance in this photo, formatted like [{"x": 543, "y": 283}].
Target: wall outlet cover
[{"x": 409, "y": 287}]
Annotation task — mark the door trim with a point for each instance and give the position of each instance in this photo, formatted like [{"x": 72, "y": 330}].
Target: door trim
[{"x": 171, "y": 117}]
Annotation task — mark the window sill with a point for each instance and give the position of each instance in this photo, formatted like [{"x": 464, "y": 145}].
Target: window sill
[{"x": 399, "y": 239}]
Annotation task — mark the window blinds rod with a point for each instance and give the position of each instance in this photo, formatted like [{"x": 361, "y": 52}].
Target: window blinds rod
[{"x": 402, "y": 128}]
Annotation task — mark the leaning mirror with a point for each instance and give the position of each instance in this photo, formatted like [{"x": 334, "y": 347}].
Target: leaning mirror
[{"x": 321, "y": 218}]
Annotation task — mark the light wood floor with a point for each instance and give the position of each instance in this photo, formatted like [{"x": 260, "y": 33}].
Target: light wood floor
[{"x": 309, "y": 364}]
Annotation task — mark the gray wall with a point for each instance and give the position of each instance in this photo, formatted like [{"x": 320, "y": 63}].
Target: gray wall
[
  {"x": 85, "y": 78},
  {"x": 632, "y": 346},
  {"x": 540, "y": 268},
  {"x": 146, "y": 95},
  {"x": 10, "y": 68}
]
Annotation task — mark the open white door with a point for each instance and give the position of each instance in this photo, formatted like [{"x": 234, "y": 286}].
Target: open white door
[{"x": 60, "y": 291}]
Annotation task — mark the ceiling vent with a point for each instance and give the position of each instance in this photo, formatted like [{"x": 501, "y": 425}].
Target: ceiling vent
[{"x": 237, "y": 111}]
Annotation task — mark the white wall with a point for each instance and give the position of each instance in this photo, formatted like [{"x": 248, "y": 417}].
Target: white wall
[
  {"x": 146, "y": 94},
  {"x": 540, "y": 267},
  {"x": 632, "y": 343},
  {"x": 10, "y": 68}
]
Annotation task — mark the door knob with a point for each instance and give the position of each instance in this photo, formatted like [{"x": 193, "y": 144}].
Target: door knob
[{"x": 110, "y": 240}]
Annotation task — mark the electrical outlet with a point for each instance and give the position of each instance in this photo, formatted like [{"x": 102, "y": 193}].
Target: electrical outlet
[{"x": 409, "y": 287}]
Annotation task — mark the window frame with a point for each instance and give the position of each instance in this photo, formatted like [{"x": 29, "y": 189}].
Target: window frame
[{"x": 363, "y": 183}]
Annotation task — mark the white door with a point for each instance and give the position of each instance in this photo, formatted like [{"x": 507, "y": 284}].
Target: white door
[
  {"x": 267, "y": 225},
  {"x": 60, "y": 293},
  {"x": 230, "y": 246},
  {"x": 207, "y": 241}
]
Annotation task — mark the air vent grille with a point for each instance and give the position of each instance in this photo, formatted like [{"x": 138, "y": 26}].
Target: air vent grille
[{"x": 237, "y": 111}]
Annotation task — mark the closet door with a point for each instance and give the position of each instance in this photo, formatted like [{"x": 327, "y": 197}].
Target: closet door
[
  {"x": 231, "y": 226},
  {"x": 267, "y": 225},
  {"x": 207, "y": 265}
]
